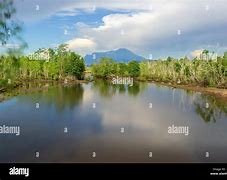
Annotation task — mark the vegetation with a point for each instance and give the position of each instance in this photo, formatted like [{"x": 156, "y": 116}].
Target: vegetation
[
  {"x": 185, "y": 71},
  {"x": 47, "y": 64},
  {"x": 8, "y": 28},
  {"x": 107, "y": 90},
  {"x": 204, "y": 72},
  {"x": 108, "y": 67},
  {"x": 60, "y": 65}
]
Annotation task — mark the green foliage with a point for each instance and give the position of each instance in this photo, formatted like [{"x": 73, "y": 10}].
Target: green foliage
[
  {"x": 62, "y": 63},
  {"x": 107, "y": 67},
  {"x": 122, "y": 69},
  {"x": 177, "y": 67},
  {"x": 134, "y": 68},
  {"x": 8, "y": 27},
  {"x": 198, "y": 71},
  {"x": 224, "y": 62},
  {"x": 75, "y": 65},
  {"x": 204, "y": 72}
]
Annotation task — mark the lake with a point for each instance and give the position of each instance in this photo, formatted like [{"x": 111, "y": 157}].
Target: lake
[{"x": 101, "y": 122}]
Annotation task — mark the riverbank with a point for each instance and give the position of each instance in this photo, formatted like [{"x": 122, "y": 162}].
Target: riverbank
[
  {"x": 214, "y": 91},
  {"x": 19, "y": 87},
  {"x": 217, "y": 92},
  {"x": 20, "y": 82}
]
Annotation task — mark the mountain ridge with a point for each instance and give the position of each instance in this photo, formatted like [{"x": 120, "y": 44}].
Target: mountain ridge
[{"x": 119, "y": 55}]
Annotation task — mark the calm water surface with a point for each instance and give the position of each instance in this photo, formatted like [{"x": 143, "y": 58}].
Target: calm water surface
[{"x": 121, "y": 128}]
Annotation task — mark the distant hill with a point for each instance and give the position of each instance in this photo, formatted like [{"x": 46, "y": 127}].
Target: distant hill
[{"x": 119, "y": 55}]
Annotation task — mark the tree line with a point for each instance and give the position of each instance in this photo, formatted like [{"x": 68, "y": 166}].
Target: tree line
[
  {"x": 202, "y": 72},
  {"x": 107, "y": 67},
  {"x": 61, "y": 63}
]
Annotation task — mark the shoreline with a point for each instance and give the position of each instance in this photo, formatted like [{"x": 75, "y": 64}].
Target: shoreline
[
  {"x": 220, "y": 93},
  {"x": 19, "y": 84}
]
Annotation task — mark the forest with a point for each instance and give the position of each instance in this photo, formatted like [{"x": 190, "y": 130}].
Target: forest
[
  {"x": 60, "y": 64},
  {"x": 198, "y": 71}
]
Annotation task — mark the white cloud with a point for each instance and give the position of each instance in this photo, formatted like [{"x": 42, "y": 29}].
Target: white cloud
[
  {"x": 81, "y": 45},
  {"x": 146, "y": 30},
  {"x": 27, "y": 8},
  {"x": 196, "y": 53}
]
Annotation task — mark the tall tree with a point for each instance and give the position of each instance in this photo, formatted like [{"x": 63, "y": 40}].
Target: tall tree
[{"x": 134, "y": 68}]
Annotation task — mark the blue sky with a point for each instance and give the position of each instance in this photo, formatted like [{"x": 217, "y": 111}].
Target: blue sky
[
  {"x": 54, "y": 30},
  {"x": 158, "y": 27}
]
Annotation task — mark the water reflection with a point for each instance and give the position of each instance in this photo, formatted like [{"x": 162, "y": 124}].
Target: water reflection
[
  {"x": 99, "y": 129},
  {"x": 209, "y": 108},
  {"x": 104, "y": 88},
  {"x": 49, "y": 93},
  {"x": 26, "y": 88},
  {"x": 71, "y": 95},
  {"x": 64, "y": 96},
  {"x": 122, "y": 89},
  {"x": 107, "y": 89}
]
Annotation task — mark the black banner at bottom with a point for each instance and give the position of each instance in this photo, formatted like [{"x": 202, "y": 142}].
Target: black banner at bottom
[{"x": 78, "y": 171}]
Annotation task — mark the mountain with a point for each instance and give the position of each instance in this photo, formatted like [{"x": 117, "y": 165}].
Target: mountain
[{"x": 119, "y": 55}]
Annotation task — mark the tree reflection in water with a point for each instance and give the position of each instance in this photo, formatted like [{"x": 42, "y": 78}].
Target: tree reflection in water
[
  {"x": 61, "y": 96},
  {"x": 215, "y": 109},
  {"x": 107, "y": 90},
  {"x": 208, "y": 107},
  {"x": 64, "y": 96}
]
